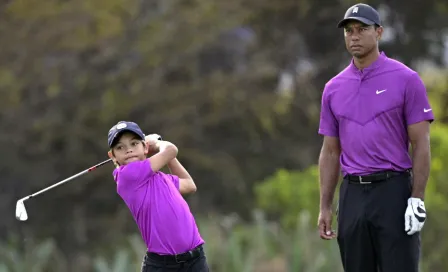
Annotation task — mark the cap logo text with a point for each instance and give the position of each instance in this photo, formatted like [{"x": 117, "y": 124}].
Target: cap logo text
[{"x": 355, "y": 10}]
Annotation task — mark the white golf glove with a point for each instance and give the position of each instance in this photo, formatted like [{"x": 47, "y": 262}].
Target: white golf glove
[
  {"x": 153, "y": 137},
  {"x": 415, "y": 216}
]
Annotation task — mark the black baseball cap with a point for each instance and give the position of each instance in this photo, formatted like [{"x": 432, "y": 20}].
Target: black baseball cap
[
  {"x": 121, "y": 127},
  {"x": 362, "y": 13}
]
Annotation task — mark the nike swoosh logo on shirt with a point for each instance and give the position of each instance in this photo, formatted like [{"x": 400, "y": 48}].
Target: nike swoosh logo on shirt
[
  {"x": 427, "y": 110},
  {"x": 378, "y": 92}
]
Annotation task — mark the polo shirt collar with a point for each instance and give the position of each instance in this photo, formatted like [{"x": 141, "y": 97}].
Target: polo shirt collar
[{"x": 377, "y": 63}]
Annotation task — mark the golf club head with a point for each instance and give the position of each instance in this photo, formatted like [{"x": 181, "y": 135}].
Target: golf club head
[{"x": 21, "y": 210}]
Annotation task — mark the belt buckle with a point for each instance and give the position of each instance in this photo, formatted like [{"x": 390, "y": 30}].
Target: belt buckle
[
  {"x": 177, "y": 261},
  {"x": 190, "y": 253},
  {"x": 363, "y": 182}
]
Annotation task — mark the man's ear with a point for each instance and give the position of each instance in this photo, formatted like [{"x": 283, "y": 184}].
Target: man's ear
[{"x": 379, "y": 32}]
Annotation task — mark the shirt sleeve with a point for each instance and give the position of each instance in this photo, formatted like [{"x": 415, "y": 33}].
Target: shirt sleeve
[
  {"x": 175, "y": 180},
  {"x": 328, "y": 125},
  {"x": 417, "y": 107},
  {"x": 134, "y": 174}
]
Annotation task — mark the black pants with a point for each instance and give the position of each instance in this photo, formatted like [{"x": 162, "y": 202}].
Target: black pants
[
  {"x": 158, "y": 263},
  {"x": 371, "y": 234}
]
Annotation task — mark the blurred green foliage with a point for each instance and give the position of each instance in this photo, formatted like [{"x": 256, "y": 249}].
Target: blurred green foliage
[
  {"x": 210, "y": 77},
  {"x": 287, "y": 193},
  {"x": 263, "y": 246}
]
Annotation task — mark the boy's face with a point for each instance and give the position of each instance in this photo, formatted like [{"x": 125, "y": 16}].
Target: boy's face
[{"x": 128, "y": 148}]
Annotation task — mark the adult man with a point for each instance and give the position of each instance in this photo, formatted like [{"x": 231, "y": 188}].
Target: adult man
[{"x": 370, "y": 112}]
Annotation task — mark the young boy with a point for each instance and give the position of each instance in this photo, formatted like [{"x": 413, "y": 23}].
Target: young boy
[{"x": 154, "y": 199}]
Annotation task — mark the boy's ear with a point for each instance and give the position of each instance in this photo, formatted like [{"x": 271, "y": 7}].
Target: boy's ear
[
  {"x": 146, "y": 146},
  {"x": 113, "y": 158}
]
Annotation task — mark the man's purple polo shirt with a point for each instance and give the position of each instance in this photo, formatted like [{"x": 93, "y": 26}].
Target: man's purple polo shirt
[
  {"x": 370, "y": 110},
  {"x": 162, "y": 215}
]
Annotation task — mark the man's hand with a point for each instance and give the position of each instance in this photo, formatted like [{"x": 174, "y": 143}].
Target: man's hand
[
  {"x": 415, "y": 216},
  {"x": 324, "y": 223}
]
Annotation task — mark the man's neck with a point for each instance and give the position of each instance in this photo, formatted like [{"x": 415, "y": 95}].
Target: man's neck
[{"x": 365, "y": 61}]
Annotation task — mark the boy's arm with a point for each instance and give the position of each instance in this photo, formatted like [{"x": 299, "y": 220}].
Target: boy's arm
[
  {"x": 167, "y": 152},
  {"x": 186, "y": 183}
]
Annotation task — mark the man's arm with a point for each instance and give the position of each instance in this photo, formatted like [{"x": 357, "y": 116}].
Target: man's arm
[
  {"x": 328, "y": 164},
  {"x": 329, "y": 170},
  {"x": 421, "y": 157},
  {"x": 418, "y": 115},
  {"x": 186, "y": 183}
]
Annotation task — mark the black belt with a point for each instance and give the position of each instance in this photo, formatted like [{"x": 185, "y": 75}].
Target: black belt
[
  {"x": 178, "y": 258},
  {"x": 375, "y": 177}
]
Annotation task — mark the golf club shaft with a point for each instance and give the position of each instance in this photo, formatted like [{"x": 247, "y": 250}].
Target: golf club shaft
[{"x": 69, "y": 179}]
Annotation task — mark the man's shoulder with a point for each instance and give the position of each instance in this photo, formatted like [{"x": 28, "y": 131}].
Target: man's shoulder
[
  {"x": 344, "y": 75},
  {"x": 397, "y": 67},
  {"x": 341, "y": 78}
]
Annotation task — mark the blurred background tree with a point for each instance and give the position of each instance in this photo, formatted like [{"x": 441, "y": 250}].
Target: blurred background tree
[{"x": 235, "y": 84}]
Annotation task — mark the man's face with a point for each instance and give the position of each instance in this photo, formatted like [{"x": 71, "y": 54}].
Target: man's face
[{"x": 361, "y": 39}]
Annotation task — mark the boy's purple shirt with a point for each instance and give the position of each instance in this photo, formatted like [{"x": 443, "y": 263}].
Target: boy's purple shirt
[{"x": 161, "y": 213}]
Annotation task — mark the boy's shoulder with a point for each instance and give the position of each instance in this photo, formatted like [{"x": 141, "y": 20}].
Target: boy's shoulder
[
  {"x": 138, "y": 170},
  {"x": 133, "y": 170},
  {"x": 138, "y": 174}
]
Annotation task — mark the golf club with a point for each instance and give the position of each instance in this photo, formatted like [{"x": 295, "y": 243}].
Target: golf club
[{"x": 21, "y": 213}]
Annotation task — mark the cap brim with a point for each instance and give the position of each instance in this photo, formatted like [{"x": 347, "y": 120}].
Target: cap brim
[
  {"x": 359, "y": 19},
  {"x": 117, "y": 133}
]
